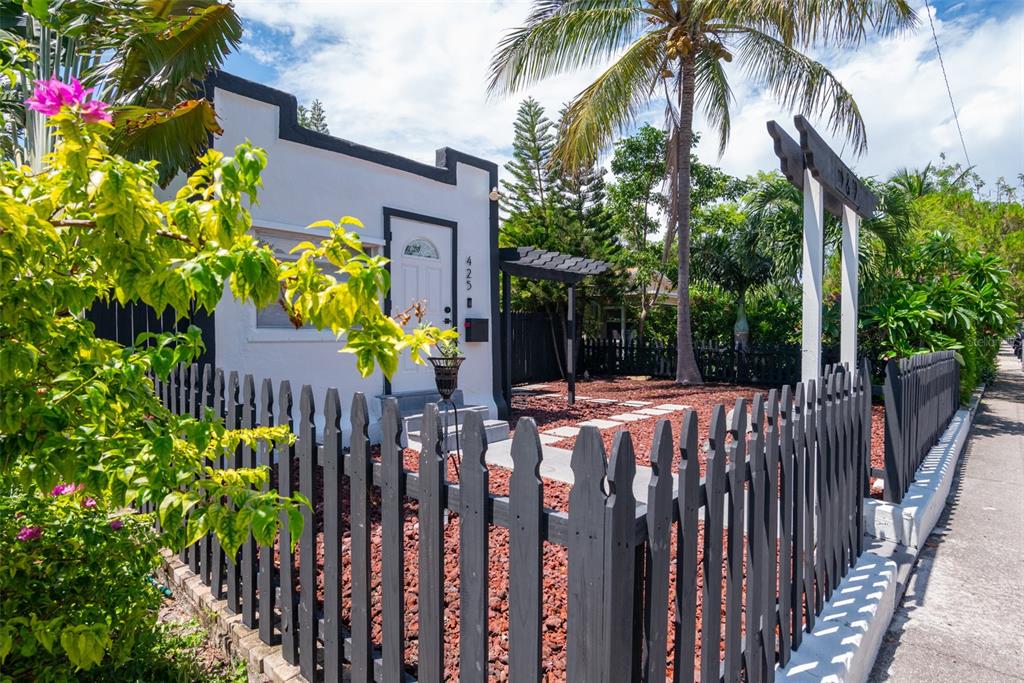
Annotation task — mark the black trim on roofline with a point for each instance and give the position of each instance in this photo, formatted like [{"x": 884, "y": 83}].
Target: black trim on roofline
[{"x": 289, "y": 129}]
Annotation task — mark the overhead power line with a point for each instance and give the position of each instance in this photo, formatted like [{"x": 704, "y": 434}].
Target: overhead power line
[{"x": 945, "y": 76}]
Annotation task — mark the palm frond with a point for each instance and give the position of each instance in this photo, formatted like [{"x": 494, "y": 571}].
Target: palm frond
[
  {"x": 800, "y": 83},
  {"x": 187, "y": 38},
  {"x": 168, "y": 136},
  {"x": 713, "y": 94},
  {"x": 836, "y": 23},
  {"x": 561, "y": 35},
  {"x": 611, "y": 102}
]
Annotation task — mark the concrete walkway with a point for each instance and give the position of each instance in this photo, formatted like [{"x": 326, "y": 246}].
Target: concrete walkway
[{"x": 962, "y": 618}]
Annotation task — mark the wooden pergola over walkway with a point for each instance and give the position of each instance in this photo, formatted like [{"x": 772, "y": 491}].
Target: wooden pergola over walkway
[{"x": 538, "y": 264}]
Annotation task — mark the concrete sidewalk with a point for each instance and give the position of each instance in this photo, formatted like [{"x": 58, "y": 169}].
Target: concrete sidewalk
[{"x": 962, "y": 618}]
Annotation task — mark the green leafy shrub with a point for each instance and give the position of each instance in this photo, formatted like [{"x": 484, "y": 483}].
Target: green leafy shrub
[
  {"x": 170, "y": 652},
  {"x": 74, "y": 584},
  {"x": 87, "y": 228},
  {"x": 774, "y": 314},
  {"x": 942, "y": 297}
]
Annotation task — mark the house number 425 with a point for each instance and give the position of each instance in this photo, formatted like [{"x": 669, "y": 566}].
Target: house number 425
[{"x": 469, "y": 273}]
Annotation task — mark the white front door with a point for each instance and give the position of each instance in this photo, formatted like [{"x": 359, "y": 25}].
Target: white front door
[{"x": 421, "y": 271}]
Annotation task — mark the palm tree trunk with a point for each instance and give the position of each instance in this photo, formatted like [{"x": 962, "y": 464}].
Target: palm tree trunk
[{"x": 686, "y": 363}]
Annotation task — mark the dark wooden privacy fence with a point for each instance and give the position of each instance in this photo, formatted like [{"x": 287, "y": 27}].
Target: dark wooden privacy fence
[
  {"x": 922, "y": 393},
  {"x": 764, "y": 525},
  {"x": 767, "y": 365},
  {"x": 538, "y": 351},
  {"x": 124, "y": 323}
]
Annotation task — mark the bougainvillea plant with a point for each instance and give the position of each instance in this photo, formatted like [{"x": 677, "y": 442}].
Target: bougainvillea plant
[{"x": 84, "y": 442}]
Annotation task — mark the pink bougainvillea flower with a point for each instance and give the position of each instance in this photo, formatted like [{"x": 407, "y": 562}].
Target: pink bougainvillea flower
[
  {"x": 116, "y": 524},
  {"x": 94, "y": 110},
  {"x": 63, "y": 489},
  {"x": 88, "y": 502},
  {"x": 30, "y": 533},
  {"x": 53, "y": 94},
  {"x": 48, "y": 97}
]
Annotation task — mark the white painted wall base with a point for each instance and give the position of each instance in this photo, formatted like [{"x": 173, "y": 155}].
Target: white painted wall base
[
  {"x": 910, "y": 522},
  {"x": 846, "y": 638}
]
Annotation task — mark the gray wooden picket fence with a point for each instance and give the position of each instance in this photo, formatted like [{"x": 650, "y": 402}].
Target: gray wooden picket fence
[
  {"x": 763, "y": 537},
  {"x": 922, "y": 393}
]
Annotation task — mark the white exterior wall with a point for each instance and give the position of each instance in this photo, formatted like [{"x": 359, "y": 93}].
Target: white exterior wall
[{"x": 303, "y": 184}]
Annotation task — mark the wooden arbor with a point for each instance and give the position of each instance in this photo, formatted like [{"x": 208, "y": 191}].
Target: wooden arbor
[
  {"x": 827, "y": 185},
  {"x": 538, "y": 264}
]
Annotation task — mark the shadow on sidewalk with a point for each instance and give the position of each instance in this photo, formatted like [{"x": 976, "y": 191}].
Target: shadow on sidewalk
[{"x": 1009, "y": 386}]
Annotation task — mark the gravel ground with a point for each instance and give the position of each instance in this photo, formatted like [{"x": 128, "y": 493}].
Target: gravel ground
[{"x": 551, "y": 412}]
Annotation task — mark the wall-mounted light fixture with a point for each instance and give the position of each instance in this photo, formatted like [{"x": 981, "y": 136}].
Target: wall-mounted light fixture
[{"x": 494, "y": 195}]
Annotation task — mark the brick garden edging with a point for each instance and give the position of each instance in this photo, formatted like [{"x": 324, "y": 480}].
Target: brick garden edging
[{"x": 226, "y": 631}]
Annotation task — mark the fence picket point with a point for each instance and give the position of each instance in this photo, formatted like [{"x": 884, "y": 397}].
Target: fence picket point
[
  {"x": 587, "y": 501},
  {"x": 234, "y": 461},
  {"x": 333, "y": 472},
  {"x": 266, "y": 552},
  {"x": 659, "y": 535},
  {"x": 686, "y": 554},
  {"x": 286, "y": 487},
  {"x": 249, "y": 568},
  {"x": 474, "y": 550},
  {"x": 715, "y": 483},
  {"x": 526, "y": 498},
  {"x": 360, "y": 481},
  {"x": 736, "y": 451},
  {"x": 392, "y": 496},
  {"x": 308, "y": 451}
]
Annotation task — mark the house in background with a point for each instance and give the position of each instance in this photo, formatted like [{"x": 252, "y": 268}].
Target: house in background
[{"x": 437, "y": 224}]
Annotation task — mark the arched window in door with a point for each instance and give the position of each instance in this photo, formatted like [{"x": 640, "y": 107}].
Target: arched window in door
[{"x": 422, "y": 248}]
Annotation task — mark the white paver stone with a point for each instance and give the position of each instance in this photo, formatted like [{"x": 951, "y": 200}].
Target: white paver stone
[
  {"x": 564, "y": 432},
  {"x": 628, "y": 417},
  {"x": 654, "y": 411},
  {"x": 672, "y": 406},
  {"x": 635, "y": 404},
  {"x": 600, "y": 424}
]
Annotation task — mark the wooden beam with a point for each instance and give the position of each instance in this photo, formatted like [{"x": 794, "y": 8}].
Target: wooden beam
[
  {"x": 811, "y": 274},
  {"x": 848, "y": 323},
  {"x": 829, "y": 170}
]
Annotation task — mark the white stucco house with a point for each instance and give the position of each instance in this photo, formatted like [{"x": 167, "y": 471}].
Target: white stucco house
[{"x": 437, "y": 224}]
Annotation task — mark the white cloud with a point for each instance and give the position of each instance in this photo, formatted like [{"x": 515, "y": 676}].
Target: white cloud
[{"x": 410, "y": 77}]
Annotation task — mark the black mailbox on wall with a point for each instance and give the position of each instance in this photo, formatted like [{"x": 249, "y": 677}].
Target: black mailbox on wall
[{"x": 476, "y": 329}]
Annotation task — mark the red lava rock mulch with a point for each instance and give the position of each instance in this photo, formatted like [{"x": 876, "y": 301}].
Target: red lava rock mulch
[{"x": 553, "y": 412}]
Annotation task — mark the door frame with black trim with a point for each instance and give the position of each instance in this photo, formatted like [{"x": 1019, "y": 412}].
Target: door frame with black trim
[{"x": 411, "y": 241}]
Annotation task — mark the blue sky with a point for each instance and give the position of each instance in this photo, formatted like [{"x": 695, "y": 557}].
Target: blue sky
[{"x": 409, "y": 77}]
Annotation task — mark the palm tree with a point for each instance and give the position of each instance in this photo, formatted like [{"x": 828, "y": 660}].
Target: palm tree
[
  {"x": 730, "y": 252},
  {"x": 775, "y": 207},
  {"x": 680, "y": 48},
  {"x": 144, "y": 57}
]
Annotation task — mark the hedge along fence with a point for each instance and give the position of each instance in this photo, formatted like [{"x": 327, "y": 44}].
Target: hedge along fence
[
  {"x": 767, "y": 365},
  {"x": 763, "y": 538},
  {"x": 922, "y": 393}
]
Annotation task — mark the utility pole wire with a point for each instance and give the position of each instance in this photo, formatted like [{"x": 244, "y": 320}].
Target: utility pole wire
[{"x": 945, "y": 77}]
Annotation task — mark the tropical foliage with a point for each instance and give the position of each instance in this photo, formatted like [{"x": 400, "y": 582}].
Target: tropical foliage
[
  {"x": 679, "y": 49},
  {"x": 548, "y": 206},
  {"x": 144, "y": 57},
  {"x": 84, "y": 441}
]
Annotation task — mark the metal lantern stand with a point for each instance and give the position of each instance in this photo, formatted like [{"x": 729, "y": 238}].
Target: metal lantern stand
[{"x": 446, "y": 378}]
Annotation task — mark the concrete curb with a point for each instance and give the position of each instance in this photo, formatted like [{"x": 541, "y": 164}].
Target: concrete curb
[
  {"x": 846, "y": 639},
  {"x": 910, "y": 522},
  {"x": 265, "y": 662},
  {"x": 848, "y": 633}
]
